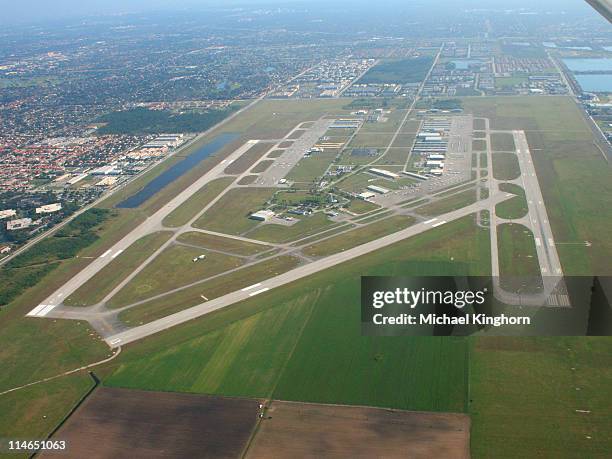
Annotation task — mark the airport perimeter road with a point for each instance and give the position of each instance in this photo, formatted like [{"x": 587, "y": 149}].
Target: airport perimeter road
[
  {"x": 142, "y": 331},
  {"x": 150, "y": 225}
]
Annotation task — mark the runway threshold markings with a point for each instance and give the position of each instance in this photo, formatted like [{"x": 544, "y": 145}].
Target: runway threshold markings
[
  {"x": 438, "y": 224},
  {"x": 36, "y": 310},
  {"x": 430, "y": 221},
  {"x": 257, "y": 292},
  {"x": 106, "y": 253},
  {"x": 251, "y": 287},
  {"x": 116, "y": 254}
]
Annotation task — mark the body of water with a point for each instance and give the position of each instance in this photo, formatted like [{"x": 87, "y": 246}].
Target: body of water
[
  {"x": 589, "y": 65},
  {"x": 595, "y": 83},
  {"x": 177, "y": 170}
]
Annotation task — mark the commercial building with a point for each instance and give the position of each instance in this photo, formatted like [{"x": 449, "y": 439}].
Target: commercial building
[
  {"x": 49, "y": 208},
  {"x": 21, "y": 223}
]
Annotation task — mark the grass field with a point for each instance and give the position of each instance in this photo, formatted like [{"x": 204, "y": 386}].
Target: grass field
[
  {"x": 247, "y": 159},
  {"x": 502, "y": 141},
  {"x": 211, "y": 289},
  {"x": 506, "y": 166},
  {"x": 400, "y": 71},
  {"x": 359, "y": 236},
  {"x": 515, "y": 207},
  {"x": 359, "y": 206},
  {"x": 518, "y": 260},
  {"x": 303, "y": 342},
  {"x": 447, "y": 204},
  {"x": 515, "y": 415},
  {"x": 230, "y": 214},
  {"x": 308, "y": 169},
  {"x": 171, "y": 269},
  {"x": 262, "y": 166},
  {"x": 280, "y": 233},
  {"x": 479, "y": 145},
  {"x": 95, "y": 289},
  {"x": 210, "y": 241}
]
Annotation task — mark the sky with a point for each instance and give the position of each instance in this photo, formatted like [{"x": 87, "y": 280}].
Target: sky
[{"x": 20, "y": 11}]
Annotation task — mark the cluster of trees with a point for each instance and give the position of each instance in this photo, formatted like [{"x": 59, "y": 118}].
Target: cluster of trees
[
  {"x": 30, "y": 267},
  {"x": 448, "y": 104},
  {"x": 144, "y": 121}
]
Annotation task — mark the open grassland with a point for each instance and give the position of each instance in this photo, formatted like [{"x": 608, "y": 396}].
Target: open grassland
[
  {"x": 518, "y": 260},
  {"x": 506, "y": 166},
  {"x": 359, "y": 206},
  {"x": 575, "y": 180},
  {"x": 502, "y": 141},
  {"x": 479, "y": 145},
  {"x": 230, "y": 214},
  {"x": 303, "y": 341},
  {"x": 213, "y": 288},
  {"x": 171, "y": 269},
  {"x": 448, "y": 204},
  {"x": 210, "y": 241},
  {"x": 402, "y": 71},
  {"x": 196, "y": 202},
  {"x": 515, "y": 207},
  {"x": 359, "y": 236},
  {"x": 514, "y": 414},
  {"x": 94, "y": 290},
  {"x": 281, "y": 233}
]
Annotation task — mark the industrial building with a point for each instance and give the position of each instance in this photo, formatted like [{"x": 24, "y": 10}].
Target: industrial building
[
  {"x": 378, "y": 189},
  {"x": 262, "y": 215},
  {"x": 21, "y": 223},
  {"x": 366, "y": 195},
  {"x": 7, "y": 213},
  {"x": 384, "y": 173}
]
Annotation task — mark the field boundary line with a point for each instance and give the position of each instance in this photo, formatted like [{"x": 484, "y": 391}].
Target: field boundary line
[{"x": 66, "y": 373}]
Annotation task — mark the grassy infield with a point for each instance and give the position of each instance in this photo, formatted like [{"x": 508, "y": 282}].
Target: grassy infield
[{"x": 302, "y": 342}]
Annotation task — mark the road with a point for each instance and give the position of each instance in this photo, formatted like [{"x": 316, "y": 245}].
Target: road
[{"x": 172, "y": 320}]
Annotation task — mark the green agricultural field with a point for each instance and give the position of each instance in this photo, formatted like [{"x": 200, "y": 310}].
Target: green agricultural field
[
  {"x": 448, "y": 204},
  {"x": 502, "y": 141},
  {"x": 518, "y": 260},
  {"x": 359, "y": 236},
  {"x": 506, "y": 166},
  {"x": 171, "y": 269},
  {"x": 308, "y": 346},
  {"x": 281, "y": 233},
  {"x": 213, "y": 288},
  {"x": 515, "y": 415},
  {"x": 210, "y": 241},
  {"x": 200, "y": 199},
  {"x": 230, "y": 214},
  {"x": 515, "y": 207},
  {"x": 94, "y": 290}
]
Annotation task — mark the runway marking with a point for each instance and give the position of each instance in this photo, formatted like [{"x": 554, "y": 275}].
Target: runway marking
[
  {"x": 106, "y": 253},
  {"x": 36, "y": 310},
  {"x": 538, "y": 242},
  {"x": 115, "y": 341},
  {"x": 250, "y": 287},
  {"x": 438, "y": 224},
  {"x": 118, "y": 252},
  {"x": 46, "y": 310},
  {"x": 429, "y": 221},
  {"x": 551, "y": 242},
  {"x": 259, "y": 291}
]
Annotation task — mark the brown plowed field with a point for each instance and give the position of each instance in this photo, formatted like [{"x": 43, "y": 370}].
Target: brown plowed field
[
  {"x": 119, "y": 423},
  {"x": 304, "y": 430}
]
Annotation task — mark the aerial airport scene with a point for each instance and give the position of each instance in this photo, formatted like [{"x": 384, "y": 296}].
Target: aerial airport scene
[{"x": 222, "y": 225}]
